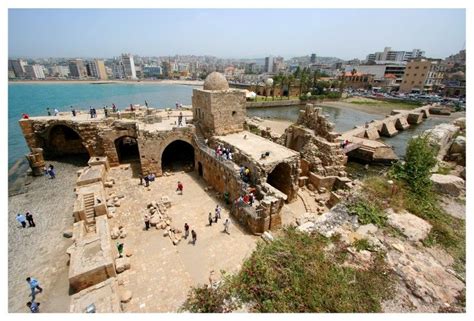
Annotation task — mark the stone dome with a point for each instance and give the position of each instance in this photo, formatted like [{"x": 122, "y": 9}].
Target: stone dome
[{"x": 216, "y": 81}]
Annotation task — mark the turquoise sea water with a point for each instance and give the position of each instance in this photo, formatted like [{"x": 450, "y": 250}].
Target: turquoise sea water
[{"x": 33, "y": 99}]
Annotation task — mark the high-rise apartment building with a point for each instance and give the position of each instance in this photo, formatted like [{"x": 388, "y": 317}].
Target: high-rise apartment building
[
  {"x": 129, "y": 66},
  {"x": 269, "y": 64},
  {"x": 77, "y": 68},
  {"x": 18, "y": 67},
  {"x": 313, "y": 58},
  {"x": 34, "y": 71},
  {"x": 390, "y": 55},
  {"x": 96, "y": 69}
]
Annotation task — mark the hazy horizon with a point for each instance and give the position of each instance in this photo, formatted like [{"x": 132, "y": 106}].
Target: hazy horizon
[{"x": 233, "y": 33}]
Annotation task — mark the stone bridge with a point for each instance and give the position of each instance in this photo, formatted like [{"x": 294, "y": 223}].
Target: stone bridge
[{"x": 363, "y": 139}]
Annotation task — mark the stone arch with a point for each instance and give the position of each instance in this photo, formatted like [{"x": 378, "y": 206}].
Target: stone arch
[
  {"x": 280, "y": 178},
  {"x": 177, "y": 154},
  {"x": 127, "y": 149},
  {"x": 63, "y": 140}
]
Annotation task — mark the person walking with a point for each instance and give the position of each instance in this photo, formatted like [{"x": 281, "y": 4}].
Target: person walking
[
  {"x": 49, "y": 112},
  {"x": 120, "y": 249},
  {"x": 194, "y": 237},
  {"x": 51, "y": 172},
  {"x": 186, "y": 230},
  {"x": 180, "y": 119},
  {"x": 147, "y": 180},
  {"x": 106, "y": 112},
  {"x": 33, "y": 306},
  {"x": 56, "y": 112},
  {"x": 114, "y": 109},
  {"x": 180, "y": 188},
  {"x": 73, "y": 111},
  {"x": 34, "y": 284},
  {"x": 147, "y": 221},
  {"x": 21, "y": 219},
  {"x": 226, "y": 226},
  {"x": 29, "y": 218},
  {"x": 218, "y": 211},
  {"x": 210, "y": 219},
  {"x": 91, "y": 112}
]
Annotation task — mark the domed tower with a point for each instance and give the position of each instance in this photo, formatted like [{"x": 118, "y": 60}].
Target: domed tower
[{"x": 216, "y": 108}]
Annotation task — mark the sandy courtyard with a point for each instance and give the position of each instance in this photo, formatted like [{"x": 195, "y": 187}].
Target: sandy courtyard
[{"x": 161, "y": 274}]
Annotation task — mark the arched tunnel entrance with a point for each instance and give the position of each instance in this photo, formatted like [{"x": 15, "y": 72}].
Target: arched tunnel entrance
[
  {"x": 280, "y": 178},
  {"x": 177, "y": 156},
  {"x": 65, "y": 141},
  {"x": 127, "y": 149}
]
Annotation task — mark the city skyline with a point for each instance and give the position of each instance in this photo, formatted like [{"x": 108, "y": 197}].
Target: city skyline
[{"x": 440, "y": 32}]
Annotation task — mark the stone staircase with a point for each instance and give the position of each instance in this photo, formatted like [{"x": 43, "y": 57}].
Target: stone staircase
[{"x": 89, "y": 211}]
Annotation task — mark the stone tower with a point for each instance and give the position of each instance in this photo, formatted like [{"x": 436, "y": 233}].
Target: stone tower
[{"x": 216, "y": 108}]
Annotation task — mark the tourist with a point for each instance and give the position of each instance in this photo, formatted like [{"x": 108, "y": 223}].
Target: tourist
[
  {"x": 118, "y": 114},
  {"x": 73, "y": 111},
  {"x": 34, "y": 284},
  {"x": 114, "y": 109},
  {"x": 251, "y": 198},
  {"x": 141, "y": 179},
  {"x": 51, "y": 172},
  {"x": 56, "y": 112},
  {"x": 120, "y": 249},
  {"x": 226, "y": 226},
  {"x": 29, "y": 218},
  {"x": 91, "y": 112},
  {"x": 151, "y": 177},
  {"x": 25, "y": 116},
  {"x": 216, "y": 217},
  {"x": 146, "y": 104},
  {"x": 147, "y": 181},
  {"x": 49, "y": 112},
  {"x": 33, "y": 306},
  {"x": 194, "y": 237},
  {"x": 106, "y": 112},
  {"x": 218, "y": 211},
  {"x": 180, "y": 188},
  {"x": 210, "y": 219},
  {"x": 229, "y": 156},
  {"x": 177, "y": 105},
  {"x": 186, "y": 230},
  {"x": 95, "y": 112},
  {"x": 147, "y": 221},
  {"x": 21, "y": 219}
]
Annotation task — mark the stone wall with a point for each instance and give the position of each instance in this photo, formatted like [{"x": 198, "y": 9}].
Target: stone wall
[
  {"x": 152, "y": 144},
  {"x": 219, "y": 112}
]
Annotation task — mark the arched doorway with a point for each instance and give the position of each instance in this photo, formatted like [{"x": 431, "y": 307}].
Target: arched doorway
[
  {"x": 178, "y": 155},
  {"x": 280, "y": 178},
  {"x": 127, "y": 149},
  {"x": 65, "y": 141}
]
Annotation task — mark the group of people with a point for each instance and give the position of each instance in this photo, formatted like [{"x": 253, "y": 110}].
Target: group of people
[
  {"x": 22, "y": 219},
  {"x": 216, "y": 217},
  {"x": 223, "y": 153},
  {"x": 248, "y": 199},
  {"x": 56, "y": 111},
  {"x": 49, "y": 171},
  {"x": 178, "y": 105},
  {"x": 34, "y": 285},
  {"x": 193, "y": 234},
  {"x": 245, "y": 173},
  {"x": 92, "y": 112},
  {"x": 147, "y": 178}
]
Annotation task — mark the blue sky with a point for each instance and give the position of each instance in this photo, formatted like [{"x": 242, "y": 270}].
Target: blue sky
[{"x": 233, "y": 33}]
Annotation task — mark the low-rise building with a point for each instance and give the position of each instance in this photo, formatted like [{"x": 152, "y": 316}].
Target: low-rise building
[
  {"x": 422, "y": 75},
  {"x": 356, "y": 80}
]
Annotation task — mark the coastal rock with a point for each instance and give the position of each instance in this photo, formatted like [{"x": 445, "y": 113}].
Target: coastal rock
[
  {"x": 458, "y": 146},
  {"x": 413, "y": 227},
  {"x": 448, "y": 184},
  {"x": 460, "y": 122}
]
